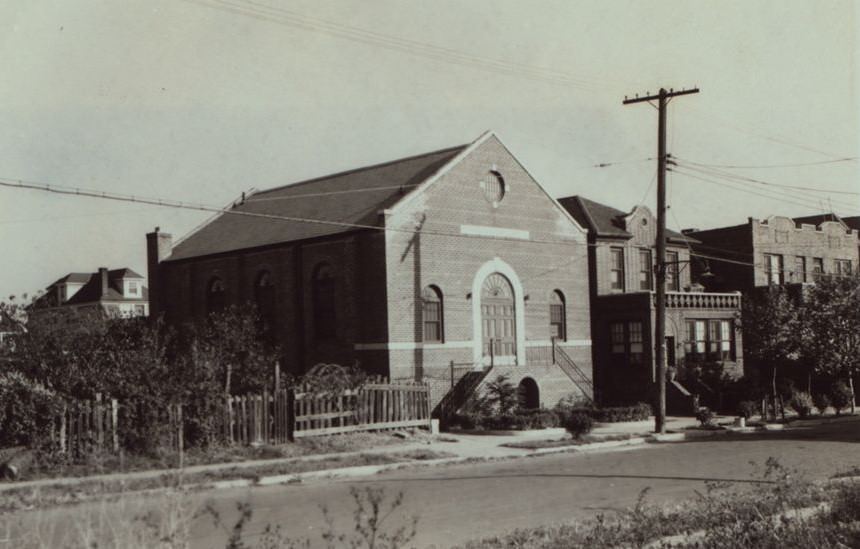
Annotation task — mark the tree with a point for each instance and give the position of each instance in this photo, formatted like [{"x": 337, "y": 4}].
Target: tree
[
  {"x": 830, "y": 322},
  {"x": 770, "y": 321}
]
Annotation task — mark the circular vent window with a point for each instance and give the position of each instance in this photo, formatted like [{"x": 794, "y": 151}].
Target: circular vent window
[{"x": 493, "y": 185}]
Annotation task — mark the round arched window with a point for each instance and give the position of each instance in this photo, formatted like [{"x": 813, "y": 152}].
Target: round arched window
[{"x": 494, "y": 187}]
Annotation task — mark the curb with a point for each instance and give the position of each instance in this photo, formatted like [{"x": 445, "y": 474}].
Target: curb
[{"x": 369, "y": 470}]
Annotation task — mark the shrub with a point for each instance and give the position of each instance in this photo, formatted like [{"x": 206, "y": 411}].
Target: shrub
[
  {"x": 27, "y": 410},
  {"x": 502, "y": 395},
  {"x": 705, "y": 416},
  {"x": 801, "y": 402},
  {"x": 748, "y": 408},
  {"x": 821, "y": 402},
  {"x": 840, "y": 396},
  {"x": 578, "y": 424},
  {"x": 539, "y": 418}
]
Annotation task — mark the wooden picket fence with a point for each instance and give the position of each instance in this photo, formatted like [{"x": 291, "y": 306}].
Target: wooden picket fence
[
  {"x": 276, "y": 418},
  {"x": 86, "y": 425}
]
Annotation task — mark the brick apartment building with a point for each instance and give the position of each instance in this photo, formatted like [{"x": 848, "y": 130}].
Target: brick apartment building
[
  {"x": 778, "y": 250},
  {"x": 451, "y": 261},
  {"x": 700, "y": 326}
]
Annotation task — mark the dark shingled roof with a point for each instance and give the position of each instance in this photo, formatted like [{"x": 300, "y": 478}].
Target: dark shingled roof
[
  {"x": 605, "y": 220},
  {"x": 853, "y": 221},
  {"x": 816, "y": 219},
  {"x": 353, "y": 197},
  {"x": 92, "y": 290}
]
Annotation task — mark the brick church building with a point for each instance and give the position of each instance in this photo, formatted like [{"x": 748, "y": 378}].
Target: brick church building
[{"x": 425, "y": 268}]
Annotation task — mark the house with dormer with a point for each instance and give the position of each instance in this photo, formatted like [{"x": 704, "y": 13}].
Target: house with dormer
[
  {"x": 439, "y": 267},
  {"x": 700, "y": 326},
  {"x": 118, "y": 293}
]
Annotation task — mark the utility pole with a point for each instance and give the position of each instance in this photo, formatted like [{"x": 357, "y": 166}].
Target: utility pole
[{"x": 662, "y": 99}]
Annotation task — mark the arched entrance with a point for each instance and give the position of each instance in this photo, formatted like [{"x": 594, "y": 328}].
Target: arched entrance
[
  {"x": 498, "y": 320},
  {"x": 528, "y": 394}
]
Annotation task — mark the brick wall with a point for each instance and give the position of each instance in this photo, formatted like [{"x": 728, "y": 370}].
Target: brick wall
[{"x": 451, "y": 263}]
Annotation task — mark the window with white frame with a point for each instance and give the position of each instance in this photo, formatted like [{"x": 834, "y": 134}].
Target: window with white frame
[
  {"x": 646, "y": 270},
  {"x": 709, "y": 340},
  {"x": 431, "y": 312},
  {"x": 773, "y": 269},
  {"x": 557, "y": 320},
  {"x": 616, "y": 268}
]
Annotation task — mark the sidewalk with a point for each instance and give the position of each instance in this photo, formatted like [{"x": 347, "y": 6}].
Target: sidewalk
[{"x": 464, "y": 447}]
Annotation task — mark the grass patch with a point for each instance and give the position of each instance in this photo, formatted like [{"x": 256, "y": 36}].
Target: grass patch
[
  {"x": 564, "y": 442},
  {"x": 724, "y": 516},
  {"x": 15, "y": 499},
  {"x": 106, "y": 463}
]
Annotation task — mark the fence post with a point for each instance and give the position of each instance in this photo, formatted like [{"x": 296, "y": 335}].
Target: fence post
[
  {"x": 114, "y": 417},
  {"x": 291, "y": 414},
  {"x": 180, "y": 438},
  {"x": 63, "y": 418},
  {"x": 277, "y": 376}
]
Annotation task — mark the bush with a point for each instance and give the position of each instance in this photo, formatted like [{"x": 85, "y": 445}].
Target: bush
[
  {"x": 821, "y": 402},
  {"x": 578, "y": 424},
  {"x": 705, "y": 416},
  {"x": 801, "y": 402},
  {"x": 539, "y": 418},
  {"x": 840, "y": 396},
  {"x": 748, "y": 408},
  {"x": 27, "y": 410}
]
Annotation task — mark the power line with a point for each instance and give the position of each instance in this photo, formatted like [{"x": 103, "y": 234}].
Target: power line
[
  {"x": 281, "y": 16},
  {"x": 742, "y": 189},
  {"x": 797, "y": 195},
  {"x": 167, "y": 203},
  {"x": 768, "y": 166},
  {"x": 699, "y": 166},
  {"x": 746, "y": 190}
]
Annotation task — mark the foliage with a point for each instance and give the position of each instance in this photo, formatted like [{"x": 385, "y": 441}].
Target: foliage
[
  {"x": 502, "y": 395},
  {"x": 323, "y": 378},
  {"x": 578, "y": 424},
  {"x": 518, "y": 420},
  {"x": 79, "y": 354},
  {"x": 612, "y": 414},
  {"x": 748, "y": 408},
  {"x": 723, "y": 516},
  {"x": 840, "y": 396},
  {"x": 27, "y": 410},
  {"x": 831, "y": 322},
  {"x": 705, "y": 416},
  {"x": 801, "y": 402},
  {"x": 821, "y": 400}
]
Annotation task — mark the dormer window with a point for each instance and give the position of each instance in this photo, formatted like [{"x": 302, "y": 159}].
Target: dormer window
[{"x": 132, "y": 288}]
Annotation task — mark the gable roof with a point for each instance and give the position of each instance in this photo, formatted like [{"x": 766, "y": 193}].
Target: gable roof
[
  {"x": 92, "y": 290},
  {"x": 605, "y": 220},
  {"x": 354, "y": 197}
]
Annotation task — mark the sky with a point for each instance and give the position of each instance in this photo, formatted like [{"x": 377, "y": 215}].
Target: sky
[{"x": 200, "y": 100}]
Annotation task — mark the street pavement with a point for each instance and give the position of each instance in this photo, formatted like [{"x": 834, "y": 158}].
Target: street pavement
[
  {"x": 463, "y": 502},
  {"x": 457, "y": 503}
]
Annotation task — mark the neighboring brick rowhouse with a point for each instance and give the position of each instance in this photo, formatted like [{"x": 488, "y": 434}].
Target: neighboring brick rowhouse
[
  {"x": 799, "y": 243},
  {"x": 622, "y": 258},
  {"x": 460, "y": 217}
]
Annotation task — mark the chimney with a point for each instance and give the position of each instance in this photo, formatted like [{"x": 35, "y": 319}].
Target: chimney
[
  {"x": 159, "y": 246},
  {"x": 103, "y": 276}
]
